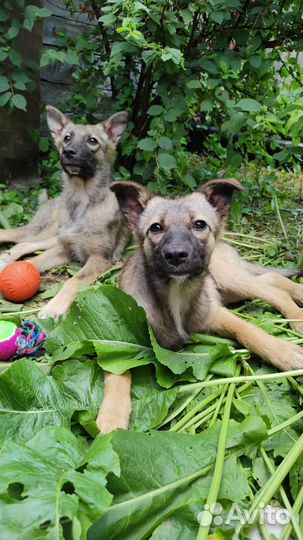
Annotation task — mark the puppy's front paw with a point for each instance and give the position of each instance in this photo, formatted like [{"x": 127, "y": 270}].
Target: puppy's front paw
[
  {"x": 291, "y": 357},
  {"x": 297, "y": 327},
  {"x": 111, "y": 418},
  {"x": 5, "y": 260},
  {"x": 298, "y": 296},
  {"x": 52, "y": 310}
]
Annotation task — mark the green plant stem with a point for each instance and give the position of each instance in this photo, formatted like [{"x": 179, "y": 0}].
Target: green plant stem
[
  {"x": 261, "y": 386},
  {"x": 188, "y": 416},
  {"x": 193, "y": 428},
  {"x": 280, "y": 218},
  {"x": 180, "y": 408},
  {"x": 200, "y": 419},
  {"x": 252, "y": 257},
  {"x": 285, "y": 424},
  {"x": 271, "y": 432},
  {"x": 25, "y": 312},
  {"x": 218, "y": 406},
  {"x": 264, "y": 532},
  {"x": 283, "y": 495},
  {"x": 213, "y": 411},
  {"x": 295, "y": 512},
  {"x": 265, "y": 495},
  {"x": 249, "y": 236},
  {"x": 295, "y": 385},
  {"x": 218, "y": 470},
  {"x": 243, "y": 244},
  {"x": 241, "y": 379},
  {"x": 206, "y": 414}
]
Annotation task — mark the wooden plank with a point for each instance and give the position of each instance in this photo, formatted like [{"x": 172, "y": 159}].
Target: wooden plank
[
  {"x": 53, "y": 25},
  {"x": 57, "y": 7},
  {"x": 56, "y": 79},
  {"x": 19, "y": 150}
]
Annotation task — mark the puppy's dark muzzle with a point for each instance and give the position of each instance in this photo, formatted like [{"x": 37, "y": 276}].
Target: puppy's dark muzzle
[
  {"x": 73, "y": 159},
  {"x": 69, "y": 153},
  {"x": 176, "y": 255},
  {"x": 179, "y": 259}
]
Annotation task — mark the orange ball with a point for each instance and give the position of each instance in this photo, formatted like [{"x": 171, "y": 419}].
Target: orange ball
[{"x": 19, "y": 281}]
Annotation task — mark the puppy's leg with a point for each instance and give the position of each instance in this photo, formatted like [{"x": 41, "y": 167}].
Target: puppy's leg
[
  {"x": 43, "y": 225},
  {"x": 241, "y": 285},
  {"x": 295, "y": 290},
  {"x": 116, "y": 406},
  {"x": 28, "y": 233},
  {"x": 122, "y": 241},
  {"x": 94, "y": 267},
  {"x": 50, "y": 258},
  {"x": 20, "y": 250},
  {"x": 10, "y": 235},
  {"x": 276, "y": 351}
]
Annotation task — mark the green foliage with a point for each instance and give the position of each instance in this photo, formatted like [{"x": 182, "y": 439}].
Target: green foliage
[
  {"x": 16, "y": 207},
  {"x": 178, "y": 68},
  {"x": 16, "y": 71},
  {"x": 54, "y": 478},
  {"x": 129, "y": 345},
  {"x": 57, "y": 481},
  {"x": 51, "y": 400},
  {"x": 70, "y": 484},
  {"x": 175, "y": 68},
  {"x": 177, "y": 473}
]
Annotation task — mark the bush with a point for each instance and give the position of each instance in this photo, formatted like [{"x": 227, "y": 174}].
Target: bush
[{"x": 205, "y": 77}]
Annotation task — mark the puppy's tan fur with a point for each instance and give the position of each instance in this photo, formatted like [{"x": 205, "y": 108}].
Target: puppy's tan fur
[
  {"x": 84, "y": 224},
  {"x": 183, "y": 304}
]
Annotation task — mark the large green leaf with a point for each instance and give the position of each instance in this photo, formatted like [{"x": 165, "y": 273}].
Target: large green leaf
[
  {"x": 195, "y": 361},
  {"x": 249, "y": 105},
  {"x": 31, "y": 400},
  {"x": 50, "y": 479},
  {"x": 162, "y": 472},
  {"x": 276, "y": 403},
  {"x": 150, "y": 403},
  {"x": 107, "y": 321},
  {"x": 181, "y": 525}
]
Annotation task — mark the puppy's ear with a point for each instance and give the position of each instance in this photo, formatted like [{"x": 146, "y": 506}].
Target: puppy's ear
[
  {"x": 115, "y": 126},
  {"x": 132, "y": 199},
  {"x": 219, "y": 194},
  {"x": 56, "y": 121}
]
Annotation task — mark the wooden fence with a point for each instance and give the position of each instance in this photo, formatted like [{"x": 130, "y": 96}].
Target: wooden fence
[{"x": 19, "y": 150}]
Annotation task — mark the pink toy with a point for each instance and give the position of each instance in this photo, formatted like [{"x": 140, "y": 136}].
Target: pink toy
[
  {"x": 24, "y": 341},
  {"x": 8, "y": 339}
]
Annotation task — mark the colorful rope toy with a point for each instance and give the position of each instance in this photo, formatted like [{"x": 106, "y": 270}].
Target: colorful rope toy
[{"x": 24, "y": 341}]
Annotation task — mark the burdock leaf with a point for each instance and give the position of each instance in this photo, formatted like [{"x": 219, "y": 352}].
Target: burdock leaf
[
  {"x": 52, "y": 479},
  {"x": 31, "y": 400},
  {"x": 107, "y": 321},
  {"x": 162, "y": 472}
]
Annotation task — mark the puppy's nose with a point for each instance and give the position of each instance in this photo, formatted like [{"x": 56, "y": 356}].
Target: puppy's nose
[
  {"x": 175, "y": 255},
  {"x": 69, "y": 152}
]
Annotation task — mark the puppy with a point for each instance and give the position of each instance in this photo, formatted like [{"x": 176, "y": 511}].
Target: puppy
[
  {"x": 182, "y": 274},
  {"x": 84, "y": 224}
]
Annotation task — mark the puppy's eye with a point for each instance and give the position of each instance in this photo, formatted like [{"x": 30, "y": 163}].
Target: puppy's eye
[
  {"x": 200, "y": 225},
  {"x": 93, "y": 141},
  {"x": 156, "y": 228},
  {"x": 67, "y": 138}
]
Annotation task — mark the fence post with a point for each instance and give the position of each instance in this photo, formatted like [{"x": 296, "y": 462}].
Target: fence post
[{"x": 19, "y": 149}]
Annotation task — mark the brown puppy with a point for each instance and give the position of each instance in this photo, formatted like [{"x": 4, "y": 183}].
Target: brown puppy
[
  {"x": 84, "y": 224},
  {"x": 182, "y": 273}
]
